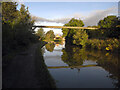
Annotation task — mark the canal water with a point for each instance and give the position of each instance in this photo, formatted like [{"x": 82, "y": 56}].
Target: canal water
[{"x": 75, "y": 67}]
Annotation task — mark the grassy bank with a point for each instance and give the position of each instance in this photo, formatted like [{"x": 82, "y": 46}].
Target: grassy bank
[{"x": 46, "y": 80}]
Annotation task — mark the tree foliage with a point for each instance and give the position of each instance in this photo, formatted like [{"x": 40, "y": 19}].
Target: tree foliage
[
  {"x": 49, "y": 35},
  {"x": 50, "y": 47},
  {"x": 73, "y": 22},
  {"x": 16, "y": 27},
  {"x": 41, "y": 34},
  {"x": 108, "y": 22},
  {"x": 80, "y": 37},
  {"x": 75, "y": 36},
  {"x": 73, "y": 55},
  {"x": 107, "y": 28},
  {"x": 9, "y": 11}
]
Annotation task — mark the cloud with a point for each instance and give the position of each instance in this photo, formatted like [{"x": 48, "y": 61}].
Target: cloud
[
  {"x": 89, "y": 20},
  {"x": 61, "y": 20},
  {"x": 95, "y": 16},
  {"x": 58, "y": 20}
]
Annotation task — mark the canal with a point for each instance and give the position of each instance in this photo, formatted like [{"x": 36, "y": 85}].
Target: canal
[{"x": 75, "y": 67}]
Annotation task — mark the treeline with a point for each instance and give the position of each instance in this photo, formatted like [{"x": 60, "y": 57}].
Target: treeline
[
  {"x": 107, "y": 37},
  {"x": 49, "y": 36},
  {"x": 16, "y": 27}
]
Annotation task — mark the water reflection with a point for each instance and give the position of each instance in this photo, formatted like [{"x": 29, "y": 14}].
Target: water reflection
[
  {"x": 50, "y": 47},
  {"x": 74, "y": 56},
  {"x": 89, "y": 68}
]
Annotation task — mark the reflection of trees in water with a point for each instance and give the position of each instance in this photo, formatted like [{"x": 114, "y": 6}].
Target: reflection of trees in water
[
  {"x": 111, "y": 64},
  {"x": 50, "y": 47},
  {"x": 108, "y": 61},
  {"x": 75, "y": 56}
]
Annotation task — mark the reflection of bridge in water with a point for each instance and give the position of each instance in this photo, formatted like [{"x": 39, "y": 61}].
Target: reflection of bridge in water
[{"x": 81, "y": 66}]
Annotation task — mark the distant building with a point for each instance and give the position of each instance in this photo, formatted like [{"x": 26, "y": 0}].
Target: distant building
[{"x": 59, "y": 37}]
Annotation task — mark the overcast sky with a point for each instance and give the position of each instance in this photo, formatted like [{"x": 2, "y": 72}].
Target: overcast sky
[{"x": 59, "y": 13}]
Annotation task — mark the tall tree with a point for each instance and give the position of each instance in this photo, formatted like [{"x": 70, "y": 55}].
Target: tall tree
[
  {"x": 16, "y": 27},
  {"x": 71, "y": 34},
  {"x": 108, "y": 22},
  {"x": 9, "y": 11},
  {"x": 73, "y": 22}
]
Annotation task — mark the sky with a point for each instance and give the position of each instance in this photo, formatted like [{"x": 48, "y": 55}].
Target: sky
[{"x": 59, "y": 13}]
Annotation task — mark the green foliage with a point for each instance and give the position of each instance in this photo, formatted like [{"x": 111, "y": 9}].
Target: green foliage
[
  {"x": 73, "y": 22},
  {"x": 49, "y": 36},
  {"x": 73, "y": 55},
  {"x": 9, "y": 11},
  {"x": 17, "y": 24},
  {"x": 108, "y": 44},
  {"x": 50, "y": 47},
  {"x": 97, "y": 34},
  {"x": 108, "y": 22},
  {"x": 74, "y": 36},
  {"x": 107, "y": 29},
  {"x": 41, "y": 34},
  {"x": 80, "y": 37}
]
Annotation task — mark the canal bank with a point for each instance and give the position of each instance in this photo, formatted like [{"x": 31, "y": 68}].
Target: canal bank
[
  {"x": 28, "y": 70},
  {"x": 42, "y": 73}
]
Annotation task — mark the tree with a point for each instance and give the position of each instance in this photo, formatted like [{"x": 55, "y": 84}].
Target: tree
[
  {"x": 9, "y": 14},
  {"x": 22, "y": 27},
  {"x": 49, "y": 35},
  {"x": 16, "y": 27},
  {"x": 108, "y": 22},
  {"x": 9, "y": 11},
  {"x": 72, "y": 22},
  {"x": 41, "y": 34},
  {"x": 69, "y": 33}
]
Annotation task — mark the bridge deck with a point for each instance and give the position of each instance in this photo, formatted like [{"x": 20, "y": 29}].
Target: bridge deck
[{"x": 64, "y": 27}]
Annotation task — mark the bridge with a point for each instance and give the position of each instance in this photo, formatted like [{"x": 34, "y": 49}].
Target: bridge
[{"x": 70, "y": 27}]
